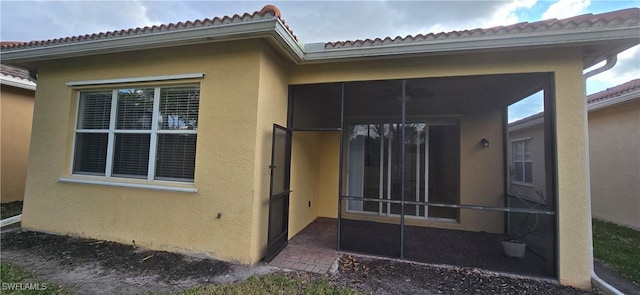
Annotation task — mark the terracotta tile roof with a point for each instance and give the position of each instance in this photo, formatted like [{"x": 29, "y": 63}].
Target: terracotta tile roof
[
  {"x": 626, "y": 16},
  {"x": 19, "y": 73},
  {"x": 613, "y": 92},
  {"x": 267, "y": 12}
]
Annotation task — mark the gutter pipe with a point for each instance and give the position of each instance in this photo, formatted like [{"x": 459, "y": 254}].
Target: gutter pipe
[{"x": 611, "y": 61}]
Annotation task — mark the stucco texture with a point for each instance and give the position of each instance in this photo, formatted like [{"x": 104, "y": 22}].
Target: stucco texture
[
  {"x": 16, "y": 108},
  {"x": 614, "y": 154}
]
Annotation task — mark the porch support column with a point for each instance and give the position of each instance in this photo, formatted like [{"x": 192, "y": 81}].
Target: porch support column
[{"x": 574, "y": 248}]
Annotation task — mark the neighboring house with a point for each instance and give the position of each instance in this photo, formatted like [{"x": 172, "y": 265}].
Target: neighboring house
[
  {"x": 614, "y": 154},
  {"x": 527, "y": 180},
  {"x": 165, "y": 135},
  {"x": 17, "y": 92},
  {"x": 526, "y": 157}
]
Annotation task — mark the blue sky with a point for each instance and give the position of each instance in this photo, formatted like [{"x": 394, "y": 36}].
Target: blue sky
[{"x": 314, "y": 21}]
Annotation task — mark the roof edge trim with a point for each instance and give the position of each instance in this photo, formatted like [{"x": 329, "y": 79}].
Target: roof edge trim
[
  {"x": 561, "y": 38},
  {"x": 614, "y": 101},
  {"x": 228, "y": 32},
  {"x": 526, "y": 122},
  {"x": 17, "y": 82}
]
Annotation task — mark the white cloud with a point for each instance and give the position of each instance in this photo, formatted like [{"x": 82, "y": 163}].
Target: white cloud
[
  {"x": 566, "y": 8},
  {"x": 506, "y": 13},
  {"x": 28, "y": 20}
]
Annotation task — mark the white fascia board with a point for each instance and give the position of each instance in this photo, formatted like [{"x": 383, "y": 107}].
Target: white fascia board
[
  {"x": 614, "y": 101},
  {"x": 233, "y": 31},
  {"x": 496, "y": 42},
  {"x": 17, "y": 82},
  {"x": 282, "y": 35}
]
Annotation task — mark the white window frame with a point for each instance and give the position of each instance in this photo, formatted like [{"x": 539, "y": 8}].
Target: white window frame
[
  {"x": 112, "y": 131},
  {"x": 514, "y": 143}
]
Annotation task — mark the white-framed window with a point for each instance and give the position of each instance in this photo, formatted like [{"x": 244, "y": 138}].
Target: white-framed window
[
  {"x": 522, "y": 162},
  {"x": 137, "y": 132}
]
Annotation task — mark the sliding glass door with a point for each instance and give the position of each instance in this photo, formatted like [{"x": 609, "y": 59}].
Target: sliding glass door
[{"x": 431, "y": 168}]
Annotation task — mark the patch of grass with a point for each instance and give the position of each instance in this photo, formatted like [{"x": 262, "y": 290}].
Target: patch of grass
[
  {"x": 618, "y": 247},
  {"x": 275, "y": 284},
  {"x": 10, "y": 209},
  {"x": 15, "y": 281}
]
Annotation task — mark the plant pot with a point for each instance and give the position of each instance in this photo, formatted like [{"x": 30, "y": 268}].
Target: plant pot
[{"x": 513, "y": 248}]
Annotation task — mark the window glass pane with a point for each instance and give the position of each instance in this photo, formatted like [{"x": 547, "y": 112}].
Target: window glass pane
[
  {"x": 444, "y": 169},
  {"x": 414, "y": 173},
  {"x": 135, "y": 109},
  {"x": 131, "y": 155},
  {"x": 527, "y": 150},
  {"x": 518, "y": 151},
  {"x": 176, "y": 157},
  {"x": 527, "y": 146},
  {"x": 90, "y": 153},
  {"x": 179, "y": 108},
  {"x": 94, "y": 110},
  {"x": 528, "y": 172},
  {"x": 519, "y": 172}
]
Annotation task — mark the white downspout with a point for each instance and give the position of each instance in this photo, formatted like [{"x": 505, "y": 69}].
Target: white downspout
[{"x": 612, "y": 59}]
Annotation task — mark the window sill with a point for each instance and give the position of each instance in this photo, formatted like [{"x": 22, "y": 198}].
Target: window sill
[
  {"x": 150, "y": 185},
  {"x": 522, "y": 184}
]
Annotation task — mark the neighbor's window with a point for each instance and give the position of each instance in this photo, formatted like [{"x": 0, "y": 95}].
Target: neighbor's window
[
  {"x": 523, "y": 165},
  {"x": 147, "y": 133}
]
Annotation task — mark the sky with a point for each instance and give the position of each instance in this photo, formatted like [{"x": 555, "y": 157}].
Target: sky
[{"x": 315, "y": 21}]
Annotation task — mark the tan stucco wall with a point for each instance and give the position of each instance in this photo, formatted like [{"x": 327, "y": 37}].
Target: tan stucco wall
[
  {"x": 574, "y": 234},
  {"x": 481, "y": 170},
  {"x": 272, "y": 108},
  {"x": 305, "y": 180},
  {"x": 329, "y": 170},
  {"x": 574, "y": 250},
  {"x": 614, "y": 148},
  {"x": 225, "y": 160},
  {"x": 16, "y": 108},
  {"x": 314, "y": 177}
]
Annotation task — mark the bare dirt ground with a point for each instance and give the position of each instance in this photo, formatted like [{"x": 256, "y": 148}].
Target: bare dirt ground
[
  {"x": 87, "y": 266},
  {"x": 379, "y": 276}
]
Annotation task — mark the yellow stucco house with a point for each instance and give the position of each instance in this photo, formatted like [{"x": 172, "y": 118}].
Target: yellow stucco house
[
  {"x": 17, "y": 92},
  {"x": 614, "y": 152},
  {"x": 165, "y": 135}
]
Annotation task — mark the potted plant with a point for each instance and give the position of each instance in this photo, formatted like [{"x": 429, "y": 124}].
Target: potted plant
[{"x": 515, "y": 245}]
